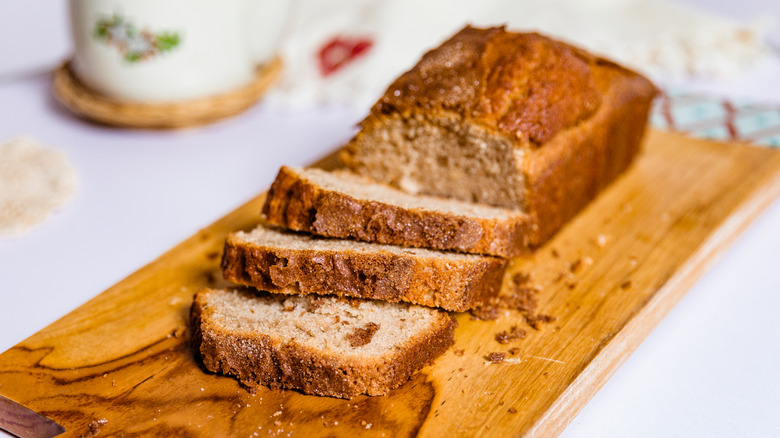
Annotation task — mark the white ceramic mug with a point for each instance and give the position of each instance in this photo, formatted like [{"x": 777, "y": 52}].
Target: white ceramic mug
[{"x": 172, "y": 50}]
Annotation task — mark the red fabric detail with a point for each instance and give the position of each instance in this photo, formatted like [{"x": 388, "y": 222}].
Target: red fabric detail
[
  {"x": 730, "y": 119},
  {"x": 340, "y": 51}
]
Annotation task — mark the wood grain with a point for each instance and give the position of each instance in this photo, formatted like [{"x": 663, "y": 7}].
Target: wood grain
[{"x": 121, "y": 365}]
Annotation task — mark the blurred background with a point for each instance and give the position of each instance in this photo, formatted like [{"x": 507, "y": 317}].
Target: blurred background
[{"x": 139, "y": 192}]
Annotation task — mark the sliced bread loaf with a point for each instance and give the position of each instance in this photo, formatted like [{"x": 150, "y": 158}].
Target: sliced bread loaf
[
  {"x": 275, "y": 260},
  {"x": 515, "y": 120},
  {"x": 341, "y": 204},
  {"x": 318, "y": 345}
]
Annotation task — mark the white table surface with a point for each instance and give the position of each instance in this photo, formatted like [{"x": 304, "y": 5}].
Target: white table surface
[{"x": 709, "y": 369}]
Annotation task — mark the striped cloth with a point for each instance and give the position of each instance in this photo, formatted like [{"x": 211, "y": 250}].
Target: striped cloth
[{"x": 718, "y": 119}]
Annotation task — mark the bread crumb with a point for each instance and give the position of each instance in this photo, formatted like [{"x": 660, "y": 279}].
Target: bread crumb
[
  {"x": 362, "y": 335},
  {"x": 521, "y": 278},
  {"x": 510, "y": 335},
  {"x": 522, "y": 298},
  {"x": 514, "y": 351},
  {"x": 94, "y": 427},
  {"x": 523, "y": 294},
  {"x": 512, "y": 410},
  {"x": 601, "y": 240},
  {"x": 575, "y": 266},
  {"x": 459, "y": 352},
  {"x": 626, "y": 284},
  {"x": 554, "y": 253},
  {"x": 484, "y": 313},
  {"x": 496, "y": 357},
  {"x": 536, "y": 321}
]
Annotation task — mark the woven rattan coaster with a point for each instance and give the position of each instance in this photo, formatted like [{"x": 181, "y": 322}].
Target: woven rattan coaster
[{"x": 92, "y": 105}]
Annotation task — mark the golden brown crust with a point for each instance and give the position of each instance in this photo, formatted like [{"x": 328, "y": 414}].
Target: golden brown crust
[
  {"x": 570, "y": 170},
  {"x": 440, "y": 282},
  {"x": 524, "y": 86},
  {"x": 260, "y": 360},
  {"x": 300, "y": 205}
]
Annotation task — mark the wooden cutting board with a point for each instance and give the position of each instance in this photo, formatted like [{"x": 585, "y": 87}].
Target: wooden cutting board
[{"x": 121, "y": 364}]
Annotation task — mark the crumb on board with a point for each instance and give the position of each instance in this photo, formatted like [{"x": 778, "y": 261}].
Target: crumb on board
[
  {"x": 536, "y": 321},
  {"x": 512, "y": 410},
  {"x": 94, "y": 427},
  {"x": 459, "y": 352},
  {"x": 484, "y": 313},
  {"x": 496, "y": 357},
  {"x": 522, "y": 298},
  {"x": 514, "y": 351},
  {"x": 507, "y": 336}
]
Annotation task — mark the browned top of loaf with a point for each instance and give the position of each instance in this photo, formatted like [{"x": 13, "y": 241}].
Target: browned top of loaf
[{"x": 523, "y": 85}]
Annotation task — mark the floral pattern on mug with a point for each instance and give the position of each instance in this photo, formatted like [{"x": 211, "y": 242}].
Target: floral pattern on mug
[{"x": 134, "y": 45}]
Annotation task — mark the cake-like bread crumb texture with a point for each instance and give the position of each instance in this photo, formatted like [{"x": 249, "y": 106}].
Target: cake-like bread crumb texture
[
  {"x": 514, "y": 120},
  {"x": 343, "y": 205},
  {"x": 284, "y": 341},
  {"x": 361, "y": 336},
  {"x": 276, "y": 260}
]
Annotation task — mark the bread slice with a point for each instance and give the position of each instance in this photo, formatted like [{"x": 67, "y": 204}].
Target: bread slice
[
  {"x": 318, "y": 345},
  {"x": 515, "y": 120},
  {"x": 275, "y": 260},
  {"x": 341, "y": 204}
]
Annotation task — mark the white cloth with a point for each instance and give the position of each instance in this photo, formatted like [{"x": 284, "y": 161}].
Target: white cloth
[{"x": 663, "y": 40}]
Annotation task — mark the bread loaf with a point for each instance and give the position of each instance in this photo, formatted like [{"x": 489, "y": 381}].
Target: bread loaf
[
  {"x": 318, "y": 345},
  {"x": 274, "y": 260},
  {"x": 514, "y": 120},
  {"x": 343, "y": 205}
]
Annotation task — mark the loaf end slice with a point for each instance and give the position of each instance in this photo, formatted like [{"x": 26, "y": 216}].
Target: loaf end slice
[
  {"x": 276, "y": 260},
  {"x": 344, "y": 205},
  {"x": 319, "y": 345}
]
